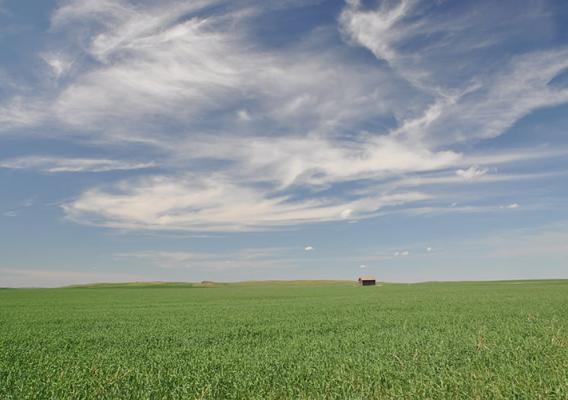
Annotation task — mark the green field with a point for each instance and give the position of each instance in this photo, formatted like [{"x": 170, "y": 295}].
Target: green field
[{"x": 324, "y": 340}]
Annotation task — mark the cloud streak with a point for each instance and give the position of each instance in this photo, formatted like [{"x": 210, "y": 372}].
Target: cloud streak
[
  {"x": 250, "y": 258},
  {"x": 196, "y": 203},
  {"x": 53, "y": 165}
]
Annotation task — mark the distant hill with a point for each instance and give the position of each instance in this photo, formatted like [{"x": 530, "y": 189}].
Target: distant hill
[
  {"x": 207, "y": 284},
  {"x": 134, "y": 285}
]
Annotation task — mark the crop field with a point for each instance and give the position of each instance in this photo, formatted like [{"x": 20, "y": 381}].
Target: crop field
[{"x": 319, "y": 340}]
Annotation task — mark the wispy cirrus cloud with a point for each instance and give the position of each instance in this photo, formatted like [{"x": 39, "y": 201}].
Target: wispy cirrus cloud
[
  {"x": 20, "y": 207},
  {"x": 300, "y": 160},
  {"x": 473, "y": 172},
  {"x": 482, "y": 100},
  {"x": 54, "y": 165},
  {"x": 216, "y": 204},
  {"x": 19, "y": 112},
  {"x": 59, "y": 64},
  {"x": 250, "y": 258},
  {"x": 256, "y": 137}
]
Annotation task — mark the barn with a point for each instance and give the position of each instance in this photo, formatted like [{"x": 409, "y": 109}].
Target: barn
[{"x": 367, "y": 280}]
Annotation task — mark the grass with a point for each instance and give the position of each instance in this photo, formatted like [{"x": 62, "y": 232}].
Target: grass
[{"x": 275, "y": 340}]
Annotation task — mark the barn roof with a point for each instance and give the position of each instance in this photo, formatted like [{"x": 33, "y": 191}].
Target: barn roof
[{"x": 367, "y": 278}]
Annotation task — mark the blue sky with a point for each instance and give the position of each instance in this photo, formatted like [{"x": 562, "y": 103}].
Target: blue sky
[{"x": 221, "y": 140}]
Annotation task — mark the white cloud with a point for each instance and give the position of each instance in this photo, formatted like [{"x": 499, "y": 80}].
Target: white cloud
[
  {"x": 18, "y": 113},
  {"x": 57, "y": 165},
  {"x": 174, "y": 62},
  {"x": 362, "y": 266},
  {"x": 58, "y": 64},
  {"x": 374, "y": 29},
  {"x": 518, "y": 155},
  {"x": 402, "y": 253},
  {"x": 473, "y": 172},
  {"x": 191, "y": 81},
  {"x": 429, "y": 249},
  {"x": 308, "y": 248},
  {"x": 243, "y": 115},
  {"x": 471, "y": 98},
  {"x": 172, "y": 73},
  {"x": 290, "y": 160},
  {"x": 345, "y": 214},
  {"x": 511, "y": 206},
  {"x": 213, "y": 204}
]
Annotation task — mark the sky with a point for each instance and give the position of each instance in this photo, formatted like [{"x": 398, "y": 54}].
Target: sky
[{"x": 282, "y": 139}]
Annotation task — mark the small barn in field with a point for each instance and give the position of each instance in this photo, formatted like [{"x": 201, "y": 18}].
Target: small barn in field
[{"x": 367, "y": 280}]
